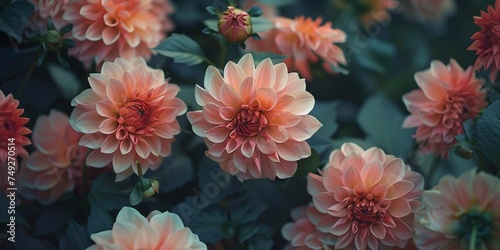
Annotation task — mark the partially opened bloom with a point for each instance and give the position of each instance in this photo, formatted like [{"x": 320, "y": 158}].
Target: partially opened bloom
[
  {"x": 306, "y": 40},
  {"x": 158, "y": 231},
  {"x": 235, "y": 25},
  {"x": 486, "y": 41},
  {"x": 56, "y": 165},
  {"x": 12, "y": 127},
  {"x": 128, "y": 116},
  {"x": 367, "y": 198},
  {"x": 458, "y": 209},
  {"x": 105, "y": 30},
  {"x": 53, "y": 9},
  {"x": 302, "y": 232},
  {"x": 255, "y": 119},
  {"x": 447, "y": 97}
]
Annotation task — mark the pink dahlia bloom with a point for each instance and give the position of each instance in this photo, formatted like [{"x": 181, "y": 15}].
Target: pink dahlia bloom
[
  {"x": 56, "y": 165},
  {"x": 306, "y": 40},
  {"x": 486, "y": 41},
  {"x": 367, "y": 198},
  {"x": 105, "y": 30},
  {"x": 159, "y": 231},
  {"x": 458, "y": 208},
  {"x": 447, "y": 97},
  {"x": 432, "y": 10},
  {"x": 255, "y": 119},
  {"x": 302, "y": 232},
  {"x": 53, "y": 9},
  {"x": 12, "y": 127},
  {"x": 128, "y": 116}
]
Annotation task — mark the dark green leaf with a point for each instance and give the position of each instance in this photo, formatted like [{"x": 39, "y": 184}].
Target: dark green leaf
[
  {"x": 275, "y": 58},
  {"x": 99, "y": 220},
  {"x": 211, "y": 10},
  {"x": 14, "y": 18},
  {"x": 107, "y": 194},
  {"x": 381, "y": 120},
  {"x": 25, "y": 241},
  {"x": 136, "y": 194},
  {"x": 53, "y": 217},
  {"x": 62, "y": 61},
  {"x": 246, "y": 209},
  {"x": 255, "y": 11},
  {"x": 260, "y": 24},
  {"x": 488, "y": 132},
  {"x": 278, "y": 3},
  {"x": 76, "y": 237},
  {"x": 182, "y": 49},
  {"x": 308, "y": 165},
  {"x": 66, "y": 29},
  {"x": 65, "y": 79},
  {"x": 175, "y": 170}
]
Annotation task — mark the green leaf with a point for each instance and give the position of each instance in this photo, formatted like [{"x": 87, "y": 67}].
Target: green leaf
[
  {"x": 381, "y": 120},
  {"x": 65, "y": 79},
  {"x": 99, "y": 220},
  {"x": 275, "y": 58},
  {"x": 75, "y": 238},
  {"x": 107, "y": 194},
  {"x": 136, "y": 194},
  {"x": 54, "y": 217},
  {"x": 14, "y": 18},
  {"x": 260, "y": 24},
  {"x": 488, "y": 133},
  {"x": 182, "y": 49},
  {"x": 308, "y": 165}
]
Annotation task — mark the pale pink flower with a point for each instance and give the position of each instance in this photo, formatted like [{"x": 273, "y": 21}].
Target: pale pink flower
[
  {"x": 432, "y": 10},
  {"x": 367, "y": 198},
  {"x": 53, "y": 9},
  {"x": 302, "y": 232},
  {"x": 105, "y": 30},
  {"x": 447, "y": 97},
  {"x": 12, "y": 127},
  {"x": 56, "y": 166},
  {"x": 255, "y": 119},
  {"x": 158, "y": 231},
  {"x": 455, "y": 208},
  {"x": 486, "y": 41},
  {"x": 128, "y": 116},
  {"x": 306, "y": 41}
]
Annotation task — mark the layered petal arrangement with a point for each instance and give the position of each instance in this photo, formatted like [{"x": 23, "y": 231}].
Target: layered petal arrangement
[
  {"x": 447, "y": 97},
  {"x": 255, "y": 119},
  {"x": 128, "y": 116},
  {"x": 50, "y": 9},
  {"x": 367, "y": 198},
  {"x": 307, "y": 40},
  {"x": 158, "y": 231},
  {"x": 13, "y": 127},
  {"x": 107, "y": 29},
  {"x": 486, "y": 41},
  {"x": 56, "y": 165},
  {"x": 460, "y": 213},
  {"x": 302, "y": 232}
]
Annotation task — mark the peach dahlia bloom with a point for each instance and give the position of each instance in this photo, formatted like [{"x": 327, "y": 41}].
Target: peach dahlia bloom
[
  {"x": 447, "y": 97},
  {"x": 159, "y": 231},
  {"x": 302, "y": 232},
  {"x": 12, "y": 126},
  {"x": 57, "y": 163},
  {"x": 107, "y": 29},
  {"x": 367, "y": 198},
  {"x": 255, "y": 119},
  {"x": 457, "y": 207},
  {"x": 53, "y": 9},
  {"x": 487, "y": 41},
  {"x": 306, "y": 40},
  {"x": 128, "y": 116}
]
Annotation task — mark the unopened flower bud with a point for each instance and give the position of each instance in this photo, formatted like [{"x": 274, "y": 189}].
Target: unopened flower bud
[
  {"x": 235, "y": 25},
  {"x": 150, "y": 189},
  {"x": 53, "y": 40},
  {"x": 464, "y": 150}
]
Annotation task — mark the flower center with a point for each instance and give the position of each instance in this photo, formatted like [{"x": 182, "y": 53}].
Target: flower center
[
  {"x": 6, "y": 126},
  {"x": 490, "y": 39},
  {"x": 249, "y": 121},
  {"x": 480, "y": 222},
  {"x": 237, "y": 20},
  {"x": 364, "y": 209},
  {"x": 134, "y": 115}
]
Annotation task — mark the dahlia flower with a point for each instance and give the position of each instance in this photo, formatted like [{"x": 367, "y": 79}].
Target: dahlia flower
[
  {"x": 57, "y": 163},
  {"x": 13, "y": 128},
  {"x": 432, "y": 10},
  {"x": 305, "y": 40},
  {"x": 106, "y": 30},
  {"x": 460, "y": 212},
  {"x": 158, "y": 231},
  {"x": 128, "y": 116},
  {"x": 447, "y": 97},
  {"x": 54, "y": 10},
  {"x": 302, "y": 233},
  {"x": 235, "y": 25},
  {"x": 486, "y": 41},
  {"x": 254, "y": 119},
  {"x": 367, "y": 198}
]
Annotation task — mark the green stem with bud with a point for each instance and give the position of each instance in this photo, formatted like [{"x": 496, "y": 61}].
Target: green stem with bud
[{"x": 28, "y": 74}]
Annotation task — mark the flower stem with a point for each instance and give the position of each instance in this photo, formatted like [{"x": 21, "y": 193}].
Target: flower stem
[
  {"x": 28, "y": 74},
  {"x": 472, "y": 243},
  {"x": 432, "y": 170}
]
